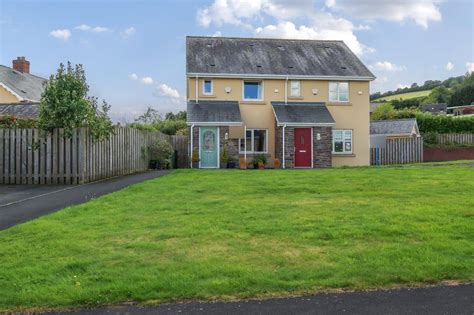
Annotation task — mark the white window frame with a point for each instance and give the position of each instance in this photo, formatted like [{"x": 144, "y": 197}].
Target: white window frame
[
  {"x": 253, "y": 99},
  {"x": 204, "y": 87},
  {"x": 338, "y": 100},
  {"x": 252, "y": 142},
  {"x": 291, "y": 88},
  {"x": 343, "y": 141}
]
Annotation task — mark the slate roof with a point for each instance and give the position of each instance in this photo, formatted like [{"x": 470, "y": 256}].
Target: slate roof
[
  {"x": 26, "y": 85},
  {"x": 302, "y": 113},
  {"x": 395, "y": 127},
  {"x": 264, "y": 56},
  {"x": 24, "y": 110},
  {"x": 434, "y": 108},
  {"x": 213, "y": 112}
]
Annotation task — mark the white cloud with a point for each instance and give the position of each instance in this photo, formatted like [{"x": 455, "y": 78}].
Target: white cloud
[
  {"x": 324, "y": 29},
  {"x": 147, "y": 80},
  {"x": 386, "y": 66},
  {"x": 422, "y": 12},
  {"x": 402, "y": 86},
  {"x": 449, "y": 66},
  {"x": 88, "y": 28},
  {"x": 168, "y": 91},
  {"x": 470, "y": 67},
  {"x": 61, "y": 34},
  {"x": 128, "y": 32},
  {"x": 217, "y": 34},
  {"x": 133, "y": 76},
  {"x": 311, "y": 24},
  {"x": 380, "y": 80}
]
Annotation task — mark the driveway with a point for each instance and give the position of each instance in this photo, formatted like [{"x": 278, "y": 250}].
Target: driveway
[
  {"x": 431, "y": 300},
  {"x": 21, "y": 203}
]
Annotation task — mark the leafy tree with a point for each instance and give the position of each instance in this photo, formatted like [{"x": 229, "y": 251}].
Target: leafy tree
[
  {"x": 65, "y": 104},
  {"x": 150, "y": 116},
  {"x": 181, "y": 115}
]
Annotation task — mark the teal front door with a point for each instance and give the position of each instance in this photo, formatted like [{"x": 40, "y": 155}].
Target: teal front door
[{"x": 209, "y": 143}]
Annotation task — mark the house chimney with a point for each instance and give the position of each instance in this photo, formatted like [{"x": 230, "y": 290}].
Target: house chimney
[{"x": 21, "y": 64}]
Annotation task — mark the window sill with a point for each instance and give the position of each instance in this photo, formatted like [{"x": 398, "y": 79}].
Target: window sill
[
  {"x": 339, "y": 104},
  {"x": 344, "y": 154},
  {"x": 252, "y": 154},
  {"x": 295, "y": 97},
  {"x": 208, "y": 96},
  {"x": 256, "y": 102}
]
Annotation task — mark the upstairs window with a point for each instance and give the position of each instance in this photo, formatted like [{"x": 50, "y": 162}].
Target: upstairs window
[
  {"x": 295, "y": 88},
  {"x": 342, "y": 141},
  {"x": 207, "y": 87},
  {"x": 252, "y": 90},
  {"x": 338, "y": 91}
]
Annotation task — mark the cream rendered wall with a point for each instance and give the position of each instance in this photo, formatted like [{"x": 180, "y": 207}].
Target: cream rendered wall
[
  {"x": 259, "y": 114},
  {"x": 7, "y": 97}
]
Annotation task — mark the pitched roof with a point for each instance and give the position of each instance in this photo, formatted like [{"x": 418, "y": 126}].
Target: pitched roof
[
  {"x": 27, "y": 86},
  {"x": 302, "y": 113},
  {"x": 395, "y": 127},
  {"x": 218, "y": 112},
  {"x": 263, "y": 56},
  {"x": 25, "y": 110},
  {"x": 434, "y": 108}
]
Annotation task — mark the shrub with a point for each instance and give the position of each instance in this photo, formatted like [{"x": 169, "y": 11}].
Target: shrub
[
  {"x": 259, "y": 158},
  {"x": 161, "y": 151},
  {"x": 9, "y": 121},
  {"x": 444, "y": 124}
]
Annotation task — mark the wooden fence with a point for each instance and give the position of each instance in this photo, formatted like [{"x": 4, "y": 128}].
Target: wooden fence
[
  {"x": 29, "y": 157},
  {"x": 180, "y": 145},
  {"x": 455, "y": 138},
  {"x": 398, "y": 151}
]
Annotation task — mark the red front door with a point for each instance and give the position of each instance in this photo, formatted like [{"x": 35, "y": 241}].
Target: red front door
[{"x": 303, "y": 147}]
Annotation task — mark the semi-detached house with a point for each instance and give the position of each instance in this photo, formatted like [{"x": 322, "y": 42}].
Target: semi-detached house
[{"x": 304, "y": 102}]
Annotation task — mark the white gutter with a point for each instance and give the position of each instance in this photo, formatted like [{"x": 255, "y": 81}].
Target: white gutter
[
  {"x": 192, "y": 149},
  {"x": 284, "y": 126},
  {"x": 281, "y": 76},
  {"x": 305, "y": 124},
  {"x": 211, "y": 123},
  {"x": 286, "y": 90},
  {"x": 197, "y": 87}
]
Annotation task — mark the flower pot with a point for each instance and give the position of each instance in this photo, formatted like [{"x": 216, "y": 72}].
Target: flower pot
[
  {"x": 261, "y": 166},
  {"x": 242, "y": 164},
  {"x": 196, "y": 164},
  {"x": 231, "y": 164},
  {"x": 277, "y": 163}
]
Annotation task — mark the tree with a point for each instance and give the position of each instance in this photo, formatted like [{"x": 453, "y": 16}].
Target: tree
[
  {"x": 65, "y": 104},
  {"x": 150, "y": 116}
]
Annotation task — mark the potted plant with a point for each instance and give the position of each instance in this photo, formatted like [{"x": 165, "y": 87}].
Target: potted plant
[
  {"x": 242, "y": 163},
  {"x": 160, "y": 154},
  {"x": 231, "y": 163},
  {"x": 195, "y": 158},
  {"x": 224, "y": 157},
  {"x": 276, "y": 163},
  {"x": 259, "y": 161}
]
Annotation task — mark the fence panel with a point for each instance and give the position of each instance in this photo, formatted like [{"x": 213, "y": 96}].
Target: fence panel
[
  {"x": 180, "y": 145},
  {"x": 455, "y": 138},
  {"x": 29, "y": 156},
  {"x": 398, "y": 151}
]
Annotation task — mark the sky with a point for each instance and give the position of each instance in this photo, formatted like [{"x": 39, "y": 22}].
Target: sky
[{"x": 133, "y": 52}]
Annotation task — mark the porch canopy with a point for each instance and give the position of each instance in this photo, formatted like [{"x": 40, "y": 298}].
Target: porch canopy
[
  {"x": 213, "y": 113},
  {"x": 302, "y": 114}
]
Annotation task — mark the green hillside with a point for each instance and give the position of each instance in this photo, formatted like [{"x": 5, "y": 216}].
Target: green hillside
[{"x": 403, "y": 96}]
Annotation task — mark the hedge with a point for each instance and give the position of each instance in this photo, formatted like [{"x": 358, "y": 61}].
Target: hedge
[
  {"x": 444, "y": 124},
  {"x": 8, "y": 122}
]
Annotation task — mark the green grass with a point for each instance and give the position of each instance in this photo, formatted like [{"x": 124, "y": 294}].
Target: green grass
[
  {"x": 197, "y": 234},
  {"x": 404, "y": 96}
]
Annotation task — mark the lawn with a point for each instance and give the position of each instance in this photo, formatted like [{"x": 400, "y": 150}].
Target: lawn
[
  {"x": 404, "y": 96},
  {"x": 196, "y": 234}
]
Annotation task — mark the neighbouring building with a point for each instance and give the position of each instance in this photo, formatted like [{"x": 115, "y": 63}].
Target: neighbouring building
[
  {"x": 435, "y": 109},
  {"x": 20, "y": 91},
  {"x": 382, "y": 130},
  {"x": 303, "y": 102},
  {"x": 464, "y": 110}
]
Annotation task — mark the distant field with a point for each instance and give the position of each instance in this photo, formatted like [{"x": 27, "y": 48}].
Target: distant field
[{"x": 404, "y": 96}]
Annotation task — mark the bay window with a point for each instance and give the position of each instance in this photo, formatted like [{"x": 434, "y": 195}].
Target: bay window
[
  {"x": 256, "y": 141},
  {"x": 342, "y": 141},
  {"x": 338, "y": 91}
]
